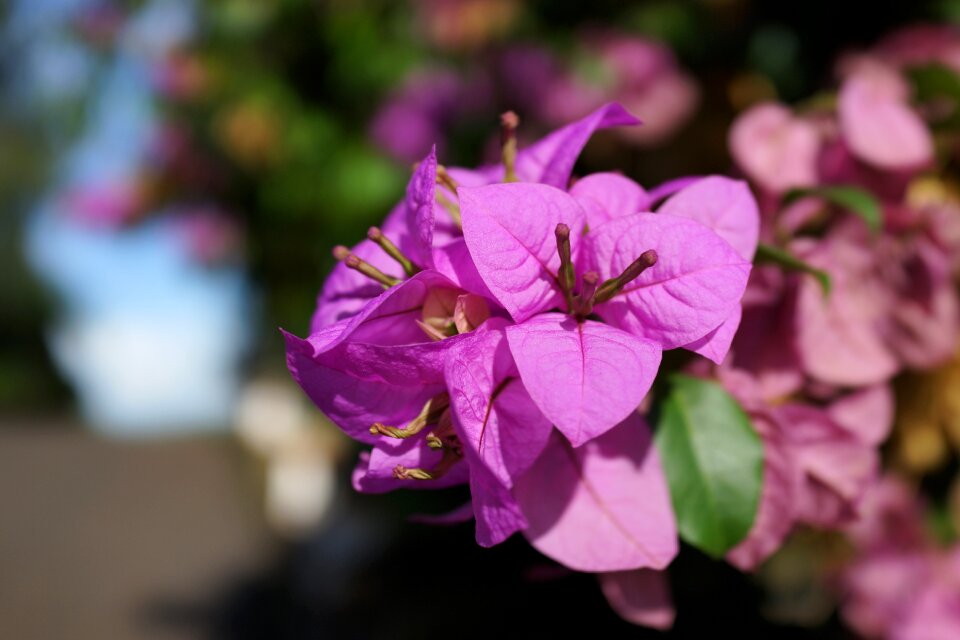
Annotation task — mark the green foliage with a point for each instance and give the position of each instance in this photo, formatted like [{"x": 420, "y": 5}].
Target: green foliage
[{"x": 713, "y": 460}]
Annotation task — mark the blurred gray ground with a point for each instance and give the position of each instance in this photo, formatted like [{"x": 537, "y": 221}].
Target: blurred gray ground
[{"x": 102, "y": 539}]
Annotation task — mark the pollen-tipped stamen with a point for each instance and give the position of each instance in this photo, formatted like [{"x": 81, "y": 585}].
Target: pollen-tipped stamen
[
  {"x": 509, "y": 122},
  {"x": 446, "y": 463},
  {"x": 344, "y": 255},
  {"x": 613, "y": 286},
  {"x": 583, "y": 303},
  {"x": 566, "y": 277},
  {"x": 430, "y": 414},
  {"x": 382, "y": 241}
]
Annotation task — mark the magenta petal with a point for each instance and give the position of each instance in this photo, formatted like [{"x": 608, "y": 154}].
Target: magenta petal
[
  {"x": 420, "y": 203},
  {"x": 837, "y": 336},
  {"x": 602, "y": 507},
  {"x": 550, "y": 161},
  {"x": 774, "y": 148},
  {"x": 453, "y": 260},
  {"x": 586, "y": 377},
  {"x": 391, "y": 317},
  {"x": 346, "y": 291},
  {"x": 493, "y": 413},
  {"x": 724, "y": 205},
  {"x": 510, "y": 233},
  {"x": 641, "y": 597},
  {"x": 694, "y": 286},
  {"x": 670, "y": 187},
  {"x": 878, "y": 123},
  {"x": 716, "y": 345},
  {"x": 775, "y": 517},
  {"x": 497, "y": 512},
  {"x": 867, "y": 413},
  {"x": 835, "y": 467},
  {"x": 374, "y": 472},
  {"x": 354, "y": 403},
  {"x": 605, "y": 196}
]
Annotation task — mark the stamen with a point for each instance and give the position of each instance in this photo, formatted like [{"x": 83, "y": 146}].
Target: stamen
[
  {"x": 613, "y": 286},
  {"x": 584, "y": 301},
  {"x": 445, "y": 179},
  {"x": 509, "y": 122},
  {"x": 452, "y": 209},
  {"x": 565, "y": 276},
  {"x": 382, "y": 241},
  {"x": 353, "y": 262},
  {"x": 430, "y": 414},
  {"x": 446, "y": 463}
]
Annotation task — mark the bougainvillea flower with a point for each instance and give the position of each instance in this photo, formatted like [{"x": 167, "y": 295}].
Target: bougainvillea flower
[
  {"x": 838, "y": 336},
  {"x": 900, "y": 582},
  {"x": 640, "y": 73},
  {"x": 600, "y": 507},
  {"x": 603, "y": 506},
  {"x": 775, "y": 148},
  {"x": 379, "y": 366},
  {"x": 877, "y": 122},
  {"x": 427, "y": 235},
  {"x": 818, "y": 462},
  {"x": 512, "y": 234}
]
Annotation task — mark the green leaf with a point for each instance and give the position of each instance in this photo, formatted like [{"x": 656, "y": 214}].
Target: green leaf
[
  {"x": 853, "y": 199},
  {"x": 713, "y": 460},
  {"x": 769, "y": 254}
]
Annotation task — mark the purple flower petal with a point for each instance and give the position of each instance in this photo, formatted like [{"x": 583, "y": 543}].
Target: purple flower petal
[
  {"x": 641, "y": 597},
  {"x": 605, "y": 196},
  {"x": 774, "y": 148},
  {"x": 716, "y": 345},
  {"x": 498, "y": 514},
  {"x": 837, "y": 336},
  {"x": 775, "y": 517},
  {"x": 602, "y": 507},
  {"x": 835, "y": 467},
  {"x": 878, "y": 123},
  {"x": 670, "y": 187},
  {"x": 509, "y": 231},
  {"x": 586, "y": 377},
  {"x": 491, "y": 409},
  {"x": 724, "y": 205},
  {"x": 354, "y": 403},
  {"x": 550, "y": 161},
  {"x": 374, "y": 471},
  {"x": 420, "y": 204},
  {"x": 867, "y": 413},
  {"x": 694, "y": 286}
]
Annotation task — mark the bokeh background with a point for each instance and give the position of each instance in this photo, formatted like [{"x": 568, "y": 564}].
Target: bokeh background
[{"x": 173, "y": 176}]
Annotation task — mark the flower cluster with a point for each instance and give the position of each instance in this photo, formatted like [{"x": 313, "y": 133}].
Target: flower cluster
[
  {"x": 813, "y": 368},
  {"x": 641, "y": 74},
  {"x": 502, "y": 328}
]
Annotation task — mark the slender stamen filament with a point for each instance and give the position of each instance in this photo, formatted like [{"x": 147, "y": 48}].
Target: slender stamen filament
[
  {"x": 430, "y": 414},
  {"x": 452, "y": 208},
  {"x": 446, "y": 463},
  {"x": 382, "y": 241},
  {"x": 613, "y": 286},
  {"x": 566, "y": 277},
  {"x": 353, "y": 262},
  {"x": 444, "y": 178},
  {"x": 509, "y": 122}
]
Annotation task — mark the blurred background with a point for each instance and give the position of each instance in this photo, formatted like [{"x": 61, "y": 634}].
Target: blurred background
[{"x": 173, "y": 176}]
